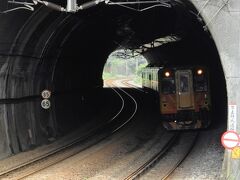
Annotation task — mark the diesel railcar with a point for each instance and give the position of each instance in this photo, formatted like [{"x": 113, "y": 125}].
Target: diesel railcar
[{"x": 183, "y": 93}]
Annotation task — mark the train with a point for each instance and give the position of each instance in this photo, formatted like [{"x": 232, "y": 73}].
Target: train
[{"x": 183, "y": 94}]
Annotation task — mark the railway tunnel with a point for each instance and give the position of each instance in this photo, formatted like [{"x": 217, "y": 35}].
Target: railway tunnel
[{"x": 66, "y": 53}]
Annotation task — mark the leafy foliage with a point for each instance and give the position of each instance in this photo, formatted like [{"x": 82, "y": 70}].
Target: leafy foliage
[{"x": 124, "y": 66}]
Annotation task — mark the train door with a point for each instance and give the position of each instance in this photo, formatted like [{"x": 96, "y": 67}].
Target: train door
[{"x": 184, "y": 89}]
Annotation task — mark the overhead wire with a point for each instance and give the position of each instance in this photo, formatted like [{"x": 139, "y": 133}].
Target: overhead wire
[
  {"x": 126, "y": 4},
  {"x": 89, "y": 4},
  {"x": 24, "y": 5}
]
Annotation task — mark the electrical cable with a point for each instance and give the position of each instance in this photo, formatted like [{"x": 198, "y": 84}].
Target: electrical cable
[{"x": 89, "y": 4}]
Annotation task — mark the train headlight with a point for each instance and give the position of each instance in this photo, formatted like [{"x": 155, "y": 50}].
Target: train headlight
[
  {"x": 199, "y": 71},
  {"x": 167, "y": 74}
]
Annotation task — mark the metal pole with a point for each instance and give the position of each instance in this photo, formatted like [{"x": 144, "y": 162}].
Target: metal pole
[{"x": 72, "y": 6}]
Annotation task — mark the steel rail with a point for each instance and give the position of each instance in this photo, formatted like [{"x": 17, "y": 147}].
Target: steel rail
[
  {"x": 135, "y": 110},
  {"x": 170, "y": 172},
  {"x": 154, "y": 158},
  {"x": 126, "y": 82},
  {"x": 123, "y": 104},
  {"x": 135, "y": 102},
  {"x": 142, "y": 169}
]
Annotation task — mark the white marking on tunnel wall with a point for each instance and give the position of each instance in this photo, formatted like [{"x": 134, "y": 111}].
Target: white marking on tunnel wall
[
  {"x": 30, "y": 136},
  {"x": 30, "y": 133},
  {"x": 232, "y": 117}
]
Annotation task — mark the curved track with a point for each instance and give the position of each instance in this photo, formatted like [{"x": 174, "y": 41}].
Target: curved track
[
  {"x": 113, "y": 125},
  {"x": 127, "y": 83},
  {"x": 127, "y": 111},
  {"x": 135, "y": 102},
  {"x": 67, "y": 146}
]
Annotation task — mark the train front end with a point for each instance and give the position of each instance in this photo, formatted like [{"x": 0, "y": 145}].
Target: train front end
[{"x": 184, "y": 98}]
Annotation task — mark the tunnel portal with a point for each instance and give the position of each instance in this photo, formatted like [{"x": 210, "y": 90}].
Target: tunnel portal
[{"x": 66, "y": 54}]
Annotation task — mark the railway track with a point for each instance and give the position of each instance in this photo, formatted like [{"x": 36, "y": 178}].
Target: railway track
[
  {"x": 53, "y": 157},
  {"x": 114, "y": 125},
  {"x": 133, "y": 99},
  {"x": 157, "y": 158},
  {"x": 181, "y": 160},
  {"x": 138, "y": 172},
  {"x": 125, "y": 82}
]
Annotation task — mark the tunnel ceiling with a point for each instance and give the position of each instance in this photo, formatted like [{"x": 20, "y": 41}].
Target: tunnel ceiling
[
  {"x": 131, "y": 29},
  {"x": 88, "y": 37}
]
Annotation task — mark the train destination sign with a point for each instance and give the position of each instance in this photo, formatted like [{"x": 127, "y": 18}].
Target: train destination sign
[{"x": 230, "y": 139}]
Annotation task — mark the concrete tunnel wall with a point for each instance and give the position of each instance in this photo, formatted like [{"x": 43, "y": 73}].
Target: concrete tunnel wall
[
  {"x": 41, "y": 51},
  {"x": 23, "y": 124},
  {"x": 223, "y": 21},
  {"x": 29, "y": 48}
]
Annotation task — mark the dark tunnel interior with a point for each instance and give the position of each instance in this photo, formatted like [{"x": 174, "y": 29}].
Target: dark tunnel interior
[{"x": 66, "y": 53}]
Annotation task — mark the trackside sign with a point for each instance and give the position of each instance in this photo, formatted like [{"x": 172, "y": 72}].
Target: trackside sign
[
  {"x": 230, "y": 139},
  {"x": 232, "y": 117}
]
